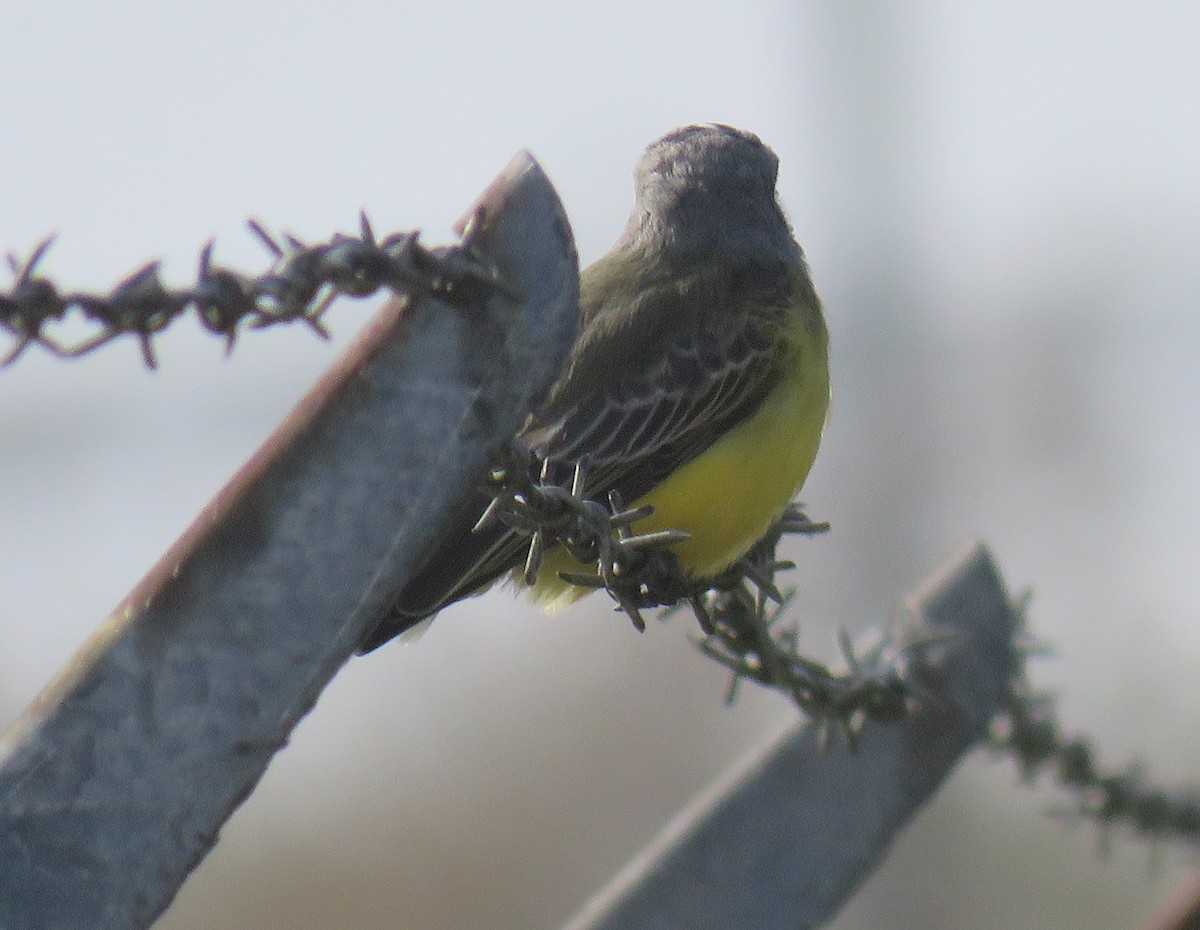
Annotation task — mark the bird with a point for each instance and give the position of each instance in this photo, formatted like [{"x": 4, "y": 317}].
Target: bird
[{"x": 698, "y": 383}]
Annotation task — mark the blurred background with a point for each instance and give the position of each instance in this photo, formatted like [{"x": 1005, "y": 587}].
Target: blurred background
[{"x": 1001, "y": 206}]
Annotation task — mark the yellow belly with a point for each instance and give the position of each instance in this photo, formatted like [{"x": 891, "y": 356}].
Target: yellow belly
[{"x": 727, "y": 497}]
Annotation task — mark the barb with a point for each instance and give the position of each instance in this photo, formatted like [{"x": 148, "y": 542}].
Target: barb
[
  {"x": 301, "y": 283},
  {"x": 31, "y": 303}
]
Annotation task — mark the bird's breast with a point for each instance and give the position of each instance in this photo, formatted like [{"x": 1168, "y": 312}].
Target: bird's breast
[{"x": 728, "y": 497}]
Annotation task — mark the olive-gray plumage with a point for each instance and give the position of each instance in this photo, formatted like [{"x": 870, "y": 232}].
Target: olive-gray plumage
[{"x": 683, "y": 326}]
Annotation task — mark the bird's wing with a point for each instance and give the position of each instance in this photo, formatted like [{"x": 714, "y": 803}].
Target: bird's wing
[
  {"x": 644, "y": 391},
  {"x": 674, "y": 396}
]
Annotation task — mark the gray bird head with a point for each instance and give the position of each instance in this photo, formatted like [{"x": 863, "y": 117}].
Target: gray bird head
[{"x": 709, "y": 187}]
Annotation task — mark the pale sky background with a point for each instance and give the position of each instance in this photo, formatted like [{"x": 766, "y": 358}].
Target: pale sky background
[{"x": 1001, "y": 205}]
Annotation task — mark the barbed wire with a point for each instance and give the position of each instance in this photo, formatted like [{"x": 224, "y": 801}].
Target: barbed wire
[
  {"x": 1029, "y": 732},
  {"x": 739, "y": 612},
  {"x": 742, "y": 618},
  {"x": 301, "y": 283}
]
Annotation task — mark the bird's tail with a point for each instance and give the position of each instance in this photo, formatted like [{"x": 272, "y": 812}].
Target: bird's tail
[{"x": 462, "y": 563}]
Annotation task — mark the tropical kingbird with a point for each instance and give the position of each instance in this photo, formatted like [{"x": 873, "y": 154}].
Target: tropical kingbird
[{"x": 698, "y": 384}]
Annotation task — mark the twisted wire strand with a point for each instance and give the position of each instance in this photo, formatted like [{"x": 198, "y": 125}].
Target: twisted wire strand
[
  {"x": 744, "y": 627},
  {"x": 300, "y": 284}
]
